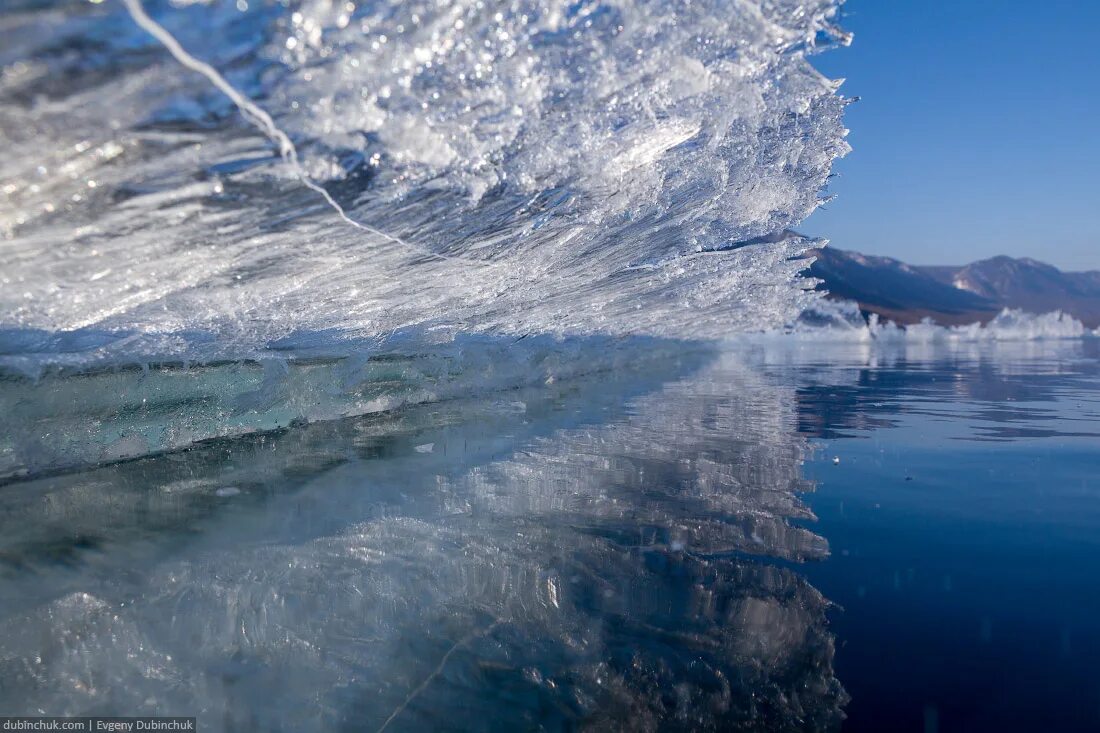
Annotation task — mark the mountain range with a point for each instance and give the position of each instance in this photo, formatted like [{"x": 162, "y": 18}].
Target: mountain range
[{"x": 953, "y": 295}]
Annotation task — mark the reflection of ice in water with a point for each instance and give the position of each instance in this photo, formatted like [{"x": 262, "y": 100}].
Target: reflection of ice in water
[{"x": 569, "y": 555}]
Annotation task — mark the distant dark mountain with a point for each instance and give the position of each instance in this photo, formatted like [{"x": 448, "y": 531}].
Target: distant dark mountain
[
  {"x": 1028, "y": 284},
  {"x": 897, "y": 291},
  {"x": 954, "y": 295}
]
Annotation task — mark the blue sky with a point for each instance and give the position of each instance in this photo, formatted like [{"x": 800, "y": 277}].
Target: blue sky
[{"x": 977, "y": 132}]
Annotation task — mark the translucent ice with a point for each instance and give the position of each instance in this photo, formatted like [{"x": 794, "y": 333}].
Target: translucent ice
[{"x": 589, "y": 167}]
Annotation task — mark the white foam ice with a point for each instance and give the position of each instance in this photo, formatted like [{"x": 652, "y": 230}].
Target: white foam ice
[
  {"x": 1008, "y": 325},
  {"x": 842, "y": 321}
]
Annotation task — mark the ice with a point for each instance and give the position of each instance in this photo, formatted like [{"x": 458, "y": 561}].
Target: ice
[
  {"x": 842, "y": 321},
  {"x": 179, "y": 259},
  {"x": 67, "y": 416},
  {"x": 593, "y": 168}
]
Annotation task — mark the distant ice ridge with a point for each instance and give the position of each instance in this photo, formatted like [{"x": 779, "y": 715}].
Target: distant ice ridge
[
  {"x": 842, "y": 320},
  {"x": 1009, "y": 325},
  {"x": 613, "y": 168}
]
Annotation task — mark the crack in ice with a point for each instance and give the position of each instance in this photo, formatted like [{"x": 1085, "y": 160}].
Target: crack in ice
[
  {"x": 477, "y": 633},
  {"x": 263, "y": 122}
]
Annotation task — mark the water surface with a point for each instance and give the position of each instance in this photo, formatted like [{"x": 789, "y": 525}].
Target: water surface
[{"x": 769, "y": 536}]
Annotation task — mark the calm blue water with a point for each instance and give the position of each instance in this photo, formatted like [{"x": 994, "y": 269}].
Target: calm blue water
[
  {"x": 965, "y": 527},
  {"x": 775, "y": 536}
]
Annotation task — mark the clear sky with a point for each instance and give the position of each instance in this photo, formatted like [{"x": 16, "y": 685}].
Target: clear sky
[{"x": 977, "y": 132}]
